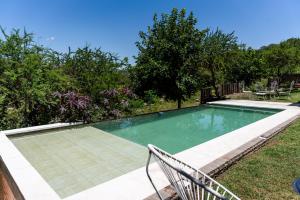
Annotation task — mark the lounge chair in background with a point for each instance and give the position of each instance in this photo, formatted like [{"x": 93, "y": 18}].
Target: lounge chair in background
[
  {"x": 261, "y": 93},
  {"x": 188, "y": 182},
  {"x": 288, "y": 91},
  {"x": 243, "y": 88},
  {"x": 273, "y": 89},
  {"x": 268, "y": 93}
]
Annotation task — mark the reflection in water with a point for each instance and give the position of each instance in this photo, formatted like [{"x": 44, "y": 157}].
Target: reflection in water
[{"x": 178, "y": 130}]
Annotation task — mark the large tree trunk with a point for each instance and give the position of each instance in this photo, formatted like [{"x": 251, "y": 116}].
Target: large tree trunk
[
  {"x": 278, "y": 75},
  {"x": 213, "y": 80},
  {"x": 179, "y": 102},
  {"x": 216, "y": 90}
]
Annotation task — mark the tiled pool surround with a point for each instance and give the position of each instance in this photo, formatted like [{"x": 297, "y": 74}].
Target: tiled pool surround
[
  {"x": 70, "y": 166},
  {"x": 134, "y": 185}
]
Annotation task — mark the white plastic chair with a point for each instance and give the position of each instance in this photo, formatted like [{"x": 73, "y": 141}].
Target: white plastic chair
[{"x": 188, "y": 182}]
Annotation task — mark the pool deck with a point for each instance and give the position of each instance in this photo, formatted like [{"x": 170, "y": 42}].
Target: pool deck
[
  {"x": 72, "y": 160},
  {"x": 135, "y": 184}
]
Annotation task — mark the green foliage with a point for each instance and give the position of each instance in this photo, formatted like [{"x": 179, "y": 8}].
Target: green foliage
[
  {"x": 30, "y": 74},
  {"x": 246, "y": 65},
  {"x": 93, "y": 70},
  {"x": 150, "y": 97},
  {"x": 168, "y": 55},
  {"x": 117, "y": 102},
  {"x": 260, "y": 85},
  {"x": 175, "y": 59},
  {"x": 136, "y": 104},
  {"x": 27, "y": 78},
  {"x": 283, "y": 58},
  {"x": 217, "y": 53}
]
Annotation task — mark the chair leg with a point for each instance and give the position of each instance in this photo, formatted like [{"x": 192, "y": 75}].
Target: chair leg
[{"x": 147, "y": 171}]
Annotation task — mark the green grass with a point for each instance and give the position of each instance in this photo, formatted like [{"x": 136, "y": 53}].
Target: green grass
[
  {"x": 293, "y": 98},
  {"x": 269, "y": 172},
  {"x": 168, "y": 105}
]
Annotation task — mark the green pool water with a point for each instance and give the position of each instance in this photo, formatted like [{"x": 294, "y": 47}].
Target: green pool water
[{"x": 175, "y": 131}]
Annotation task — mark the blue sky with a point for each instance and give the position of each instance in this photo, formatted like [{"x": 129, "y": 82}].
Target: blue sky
[{"x": 114, "y": 25}]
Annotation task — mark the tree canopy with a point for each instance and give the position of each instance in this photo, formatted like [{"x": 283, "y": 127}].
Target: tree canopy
[
  {"x": 93, "y": 70},
  {"x": 282, "y": 58},
  {"x": 168, "y": 56},
  {"x": 27, "y": 78},
  {"x": 246, "y": 65},
  {"x": 217, "y": 52},
  {"x": 39, "y": 85},
  {"x": 175, "y": 59}
]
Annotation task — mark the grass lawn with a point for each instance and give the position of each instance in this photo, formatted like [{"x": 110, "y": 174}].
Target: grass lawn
[
  {"x": 294, "y": 97},
  {"x": 269, "y": 172},
  {"x": 168, "y": 105}
]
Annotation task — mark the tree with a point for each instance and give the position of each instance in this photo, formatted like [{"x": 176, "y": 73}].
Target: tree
[
  {"x": 282, "y": 58},
  {"x": 217, "y": 51},
  {"x": 27, "y": 78},
  {"x": 167, "y": 62},
  {"x": 31, "y": 75},
  {"x": 94, "y": 70},
  {"x": 247, "y": 65}
]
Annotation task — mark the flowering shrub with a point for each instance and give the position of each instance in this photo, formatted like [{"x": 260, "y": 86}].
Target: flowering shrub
[
  {"x": 112, "y": 103},
  {"x": 73, "y": 107},
  {"x": 116, "y": 102}
]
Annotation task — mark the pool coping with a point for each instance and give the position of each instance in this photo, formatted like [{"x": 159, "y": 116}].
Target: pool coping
[
  {"x": 135, "y": 185},
  {"x": 25, "y": 178},
  {"x": 221, "y": 164},
  {"x": 57, "y": 126}
]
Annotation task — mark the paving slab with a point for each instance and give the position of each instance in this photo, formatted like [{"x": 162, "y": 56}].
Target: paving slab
[{"x": 76, "y": 159}]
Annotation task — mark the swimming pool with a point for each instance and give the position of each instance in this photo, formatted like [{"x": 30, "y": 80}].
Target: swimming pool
[
  {"x": 175, "y": 131},
  {"x": 79, "y": 157}
]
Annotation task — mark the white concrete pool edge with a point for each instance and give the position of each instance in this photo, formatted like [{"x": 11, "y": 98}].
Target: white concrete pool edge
[
  {"x": 135, "y": 184},
  {"x": 38, "y": 128},
  {"x": 29, "y": 182}
]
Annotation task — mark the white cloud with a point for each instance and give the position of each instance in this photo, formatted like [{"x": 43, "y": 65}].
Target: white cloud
[{"x": 50, "y": 38}]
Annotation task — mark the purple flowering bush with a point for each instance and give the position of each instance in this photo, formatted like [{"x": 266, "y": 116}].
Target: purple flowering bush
[
  {"x": 72, "y": 106},
  {"x": 113, "y": 103},
  {"x": 116, "y": 102}
]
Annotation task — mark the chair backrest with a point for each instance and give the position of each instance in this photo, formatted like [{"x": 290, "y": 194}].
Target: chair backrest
[
  {"x": 242, "y": 86},
  {"x": 292, "y": 86},
  {"x": 258, "y": 87},
  {"x": 274, "y": 86},
  {"x": 189, "y": 183}
]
